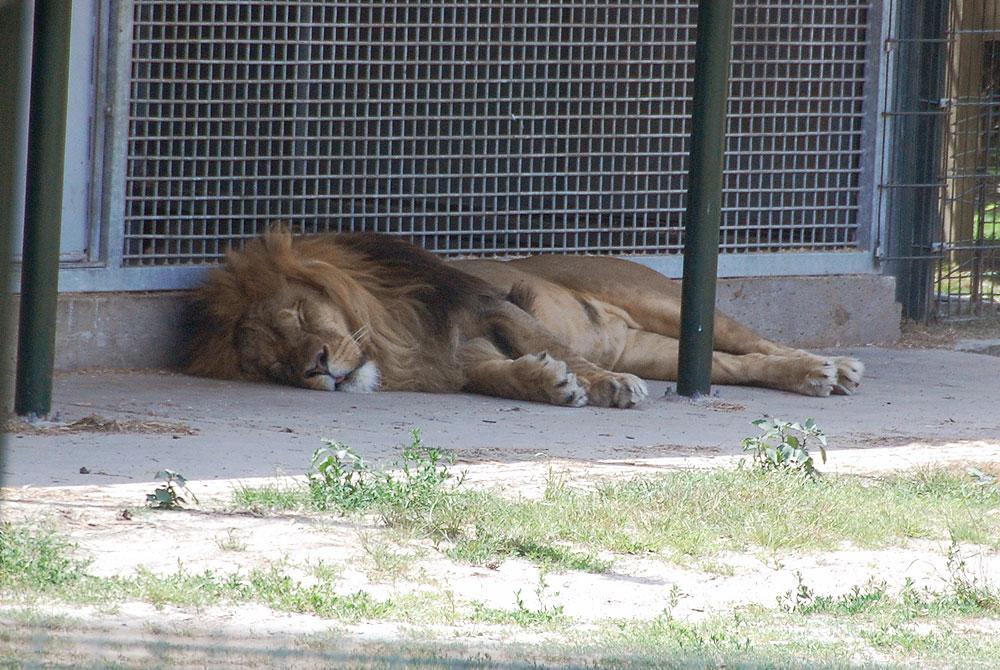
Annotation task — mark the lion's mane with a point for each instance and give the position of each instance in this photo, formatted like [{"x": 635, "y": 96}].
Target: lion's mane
[{"x": 404, "y": 299}]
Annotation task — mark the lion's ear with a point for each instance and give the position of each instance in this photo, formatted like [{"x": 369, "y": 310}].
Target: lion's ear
[
  {"x": 278, "y": 227},
  {"x": 278, "y": 240}
]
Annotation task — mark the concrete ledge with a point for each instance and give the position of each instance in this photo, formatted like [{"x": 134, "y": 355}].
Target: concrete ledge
[
  {"x": 116, "y": 330},
  {"x": 834, "y": 311},
  {"x": 138, "y": 330}
]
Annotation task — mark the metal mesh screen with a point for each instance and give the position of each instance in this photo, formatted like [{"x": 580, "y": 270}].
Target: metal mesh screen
[
  {"x": 494, "y": 127},
  {"x": 966, "y": 279},
  {"x": 941, "y": 189}
]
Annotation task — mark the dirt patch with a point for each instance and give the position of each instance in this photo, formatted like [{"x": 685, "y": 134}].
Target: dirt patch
[
  {"x": 442, "y": 601},
  {"x": 95, "y": 423},
  {"x": 946, "y": 334},
  {"x": 919, "y": 335}
]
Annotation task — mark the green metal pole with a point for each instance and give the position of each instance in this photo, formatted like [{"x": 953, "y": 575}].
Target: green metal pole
[
  {"x": 11, "y": 12},
  {"x": 43, "y": 206},
  {"x": 701, "y": 227},
  {"x": 914, "y": 215}
]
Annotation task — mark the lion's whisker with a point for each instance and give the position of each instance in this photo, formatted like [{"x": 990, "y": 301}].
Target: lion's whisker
[
  {"x": 340, "y": 349},
  {"x": 360, "y": 333}
]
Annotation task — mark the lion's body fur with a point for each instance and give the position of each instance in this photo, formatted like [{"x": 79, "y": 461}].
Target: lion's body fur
[{"x": 476, "y": 325}]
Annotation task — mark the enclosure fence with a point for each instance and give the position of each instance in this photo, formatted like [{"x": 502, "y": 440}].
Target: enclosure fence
[
  {"x": 941, "y": 188},
  {"x": 487, "y": 128}
]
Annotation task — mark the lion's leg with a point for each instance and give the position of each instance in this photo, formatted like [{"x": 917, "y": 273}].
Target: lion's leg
[
  {"x": 654, "y": 356},
  {"x": 660, "y": 314},
  {"x": 527, "y": 335},
  {"x": 652, "y": 300},
  {"x": 537, "y": 377},
  {"x": 653, "y": 303},
  {"x": 656, "y": 308}
]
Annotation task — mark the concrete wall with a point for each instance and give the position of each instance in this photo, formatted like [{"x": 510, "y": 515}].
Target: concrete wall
[
  {"x": 138, "y": 330},
  {"x": 116, "y": 330},
  {"x": 816, "y": 312}
]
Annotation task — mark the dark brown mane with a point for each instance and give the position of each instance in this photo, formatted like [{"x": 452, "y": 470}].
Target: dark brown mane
[{"x": 440, "y": 288}]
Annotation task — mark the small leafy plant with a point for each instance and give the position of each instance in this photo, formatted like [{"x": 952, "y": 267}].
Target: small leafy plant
[
  {"x": 168, "y": 495},
  {"x": 341, "y": 480},
  {"x": 786, "y": 445},
  {"x": 972, "y": 591}
]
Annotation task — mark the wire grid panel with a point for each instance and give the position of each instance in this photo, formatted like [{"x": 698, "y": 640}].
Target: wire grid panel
[
  {"x": 966, "y": 279},
  {"x": 940, "y": 191},
  {"x": 488, "y": 127}
]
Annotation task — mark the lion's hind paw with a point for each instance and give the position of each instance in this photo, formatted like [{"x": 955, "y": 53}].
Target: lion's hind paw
[
  {"x": 820, "y": 377},
  {"x": 849, "y": 373},
  {"x": 617, "y": 389}
]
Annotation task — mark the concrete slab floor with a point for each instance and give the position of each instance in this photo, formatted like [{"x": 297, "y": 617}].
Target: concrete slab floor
[{"x": 944, "y": 404}]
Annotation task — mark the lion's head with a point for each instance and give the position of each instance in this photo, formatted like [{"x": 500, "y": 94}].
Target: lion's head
[{"x": 273, "y": 314}]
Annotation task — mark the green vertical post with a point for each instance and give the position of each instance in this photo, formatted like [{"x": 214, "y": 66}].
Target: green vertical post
[
  {"x": 704, "y": 205},
  {"x": 43, "y": 206},
  {"x": 913, "y": 213},
  {"x": 10, "y": 70}
]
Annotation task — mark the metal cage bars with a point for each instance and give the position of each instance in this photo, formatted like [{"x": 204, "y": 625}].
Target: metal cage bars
[
  {"x": 940, "y": 190},
  {"x": 494, "y": 127}
]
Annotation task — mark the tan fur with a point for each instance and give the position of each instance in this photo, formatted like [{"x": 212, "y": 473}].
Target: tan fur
[{"x": 312, "y": 311}]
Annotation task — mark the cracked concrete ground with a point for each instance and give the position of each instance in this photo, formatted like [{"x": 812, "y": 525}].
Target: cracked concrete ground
[
  {"x": 112, "y": 430},
  {"x": 915, "y": 406}
]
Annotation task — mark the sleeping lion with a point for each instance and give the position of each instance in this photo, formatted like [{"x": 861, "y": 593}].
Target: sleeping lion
[{"x": 366, "y": 312}]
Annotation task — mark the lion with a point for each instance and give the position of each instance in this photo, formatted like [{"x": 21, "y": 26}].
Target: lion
[{"x": 367, "y": 312}]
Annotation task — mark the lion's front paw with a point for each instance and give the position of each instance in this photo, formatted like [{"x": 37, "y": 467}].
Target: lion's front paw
[
  {"x": 554, "y": 380},
  {"x": 849, "y": 373},
  {"x": 617, "y": 389}
]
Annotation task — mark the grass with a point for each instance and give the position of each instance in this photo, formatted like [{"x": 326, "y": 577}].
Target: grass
[
  {"x": 270, "y": 496},
  {"x": 628, "y": 639},
  {"x": 39, "y": 564},
  {"x": 919, "y": 627},
  {"x": 233, "y": 541},
  {"x": 914, "y": 623},
  {"x": 36, "y": 560},
  {"x": 546, "y": 617},
  {"x": 687, "y": 514},
  {"x": 390, "y": 562},
  {"x": 955, "y": 281},
  {"x": 990, "y": 222},
  {"x": 697, "y": 513},
  {"x": 916, "y": 628}
]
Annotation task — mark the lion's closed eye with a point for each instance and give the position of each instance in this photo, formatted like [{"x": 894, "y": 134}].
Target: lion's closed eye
[{"x": 293, "y": 316}]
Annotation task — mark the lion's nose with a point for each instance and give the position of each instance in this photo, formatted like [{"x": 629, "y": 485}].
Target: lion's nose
[{"x": 323, "y": 359}]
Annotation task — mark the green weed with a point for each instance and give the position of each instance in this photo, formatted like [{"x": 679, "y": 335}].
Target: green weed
[
  {"x": 168, "y": 495},
  {"x": 545, "y": 615},
  {"x": 36, "y": 560},
  {"x": 785, "y": 445},
  {"x": 415, "y": 494}
]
